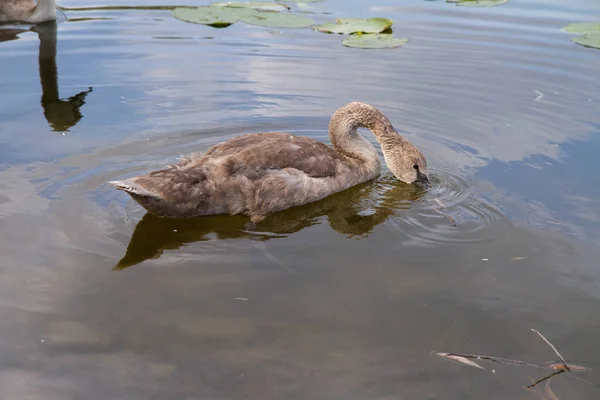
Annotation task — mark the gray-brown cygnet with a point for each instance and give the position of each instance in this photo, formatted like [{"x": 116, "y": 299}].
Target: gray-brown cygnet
[{"x": 261, "y": 173}]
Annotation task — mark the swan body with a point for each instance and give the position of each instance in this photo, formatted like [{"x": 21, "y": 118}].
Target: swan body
[
  {"x": 261, "y": 173},
  {"x": 27, "y": 11}
]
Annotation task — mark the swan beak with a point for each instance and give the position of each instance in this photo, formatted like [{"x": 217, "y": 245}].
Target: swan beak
[
  {"x": 423, "y": 184},
  {"x": 422, "y": 180}
]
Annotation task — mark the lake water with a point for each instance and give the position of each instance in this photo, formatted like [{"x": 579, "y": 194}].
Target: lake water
[{"x": 346, "y": 298}]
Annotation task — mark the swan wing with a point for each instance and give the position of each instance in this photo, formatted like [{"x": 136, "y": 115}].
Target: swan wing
[{"x": 255, "y": 154}]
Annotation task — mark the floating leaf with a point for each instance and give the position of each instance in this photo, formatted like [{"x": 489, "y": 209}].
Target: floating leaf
[
  {"x": 591, "y": 40},
  {"x": 460, "y": 359},
  {"x": 217, "y": 17},
  {"x": 220, "y": 15},
  {"x": 478, "y": 3},
  {"x": 572, "y": 367},
  {"x": 255, "y": 5},
  {"x": 356, "y": 25},
  {"x": 583, "y": 28},
  {"x": 373, "y": 41},
  {"x": 277, "y": 20}
]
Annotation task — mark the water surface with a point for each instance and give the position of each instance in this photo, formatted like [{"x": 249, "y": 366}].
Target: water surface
[{"x": 341, "y": 299}]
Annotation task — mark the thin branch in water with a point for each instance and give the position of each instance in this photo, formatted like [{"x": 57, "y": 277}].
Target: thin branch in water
[
  {"x": 494, "y": 359},
  {"x": 449, "y": 217},
  {"x": 545, "y": 378},
  {"x": 546, "y": 393},
  {"x": 580, "y": 379},
  {"x": 553, "y": 348},
  {"x": 460, "y": 359},
  {"x": 443, "y": 206},
  {"x": 507, "y": 361}
]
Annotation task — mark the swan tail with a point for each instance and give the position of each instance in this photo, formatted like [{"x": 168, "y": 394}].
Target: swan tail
[{"x": 131, "y": 187}]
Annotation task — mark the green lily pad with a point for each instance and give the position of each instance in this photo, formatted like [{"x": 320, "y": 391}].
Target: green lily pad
[
  {"x": 217, "y": 17},
  {"x": 478, "y": 3},
  {"x": 374, "y": 41},
  {"x": 277, "y": 20},
  {"x": 356, "y": 25},
  {"x": 583, "y": 28},
  {"x": 592, "y": 40},
  {"x": 255, "y": 5},
  {"x": 221, "y": 15}
]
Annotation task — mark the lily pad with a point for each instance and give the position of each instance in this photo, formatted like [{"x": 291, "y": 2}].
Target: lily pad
[
  {"x": 277, "y": 20},
  {"x": 583, "y": 28},
  {"x": 374, "y": 41},
  {"x": 221, "y": 15},
  {"x": 592, "y": 40},
  {"x": 217, "y": 17},
  {"x": 255, "y": 5},
  {"x": 478, "y": 3},
  {"x": 356, "y": 25}
]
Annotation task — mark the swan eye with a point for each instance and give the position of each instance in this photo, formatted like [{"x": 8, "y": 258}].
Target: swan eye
[{"x": 416, "y": 167}]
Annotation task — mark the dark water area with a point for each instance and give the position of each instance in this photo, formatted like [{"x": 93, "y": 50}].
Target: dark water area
[{"x": 346, "y": 298}]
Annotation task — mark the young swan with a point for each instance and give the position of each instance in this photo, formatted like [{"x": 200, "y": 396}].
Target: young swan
[
  {"x": 260, "y": 173},
  {"x": 27, "y": 11}
]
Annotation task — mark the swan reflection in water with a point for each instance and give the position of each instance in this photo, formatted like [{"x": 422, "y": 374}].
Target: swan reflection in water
[
  {"x": 353, "y": 212},
  {"x": 61, "y": 114}
]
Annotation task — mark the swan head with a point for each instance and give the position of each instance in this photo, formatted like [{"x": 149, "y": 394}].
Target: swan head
[
  {"x": 406, "y": 162},
  {"x": 414, "y": 172},
  {"x": 422, "y": 176}
]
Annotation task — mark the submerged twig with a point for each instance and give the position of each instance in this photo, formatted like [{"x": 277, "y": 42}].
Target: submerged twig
[
  {"x": 460, "y": 359},
  {"x": 545, "y": 378},
  {"x": 556, "y": 369},
  {"x": 442, "y": 205},
  {"x": 553, "y": 348},
  {"x": 449, "y": 217},
  {"x": 547, "y": 393},
  {"x": 580, "y": 379},
  {"x": 494, "y": 359}
]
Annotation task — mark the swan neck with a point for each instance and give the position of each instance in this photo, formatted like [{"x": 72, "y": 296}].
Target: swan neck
[
  {"x": 343, "y": 131},
  {"x": 44, "y": 10},
  {"x": 47, "y": 63}
]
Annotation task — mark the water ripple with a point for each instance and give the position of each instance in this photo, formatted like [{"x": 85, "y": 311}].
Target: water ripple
[{"x": 452, "y": 212}]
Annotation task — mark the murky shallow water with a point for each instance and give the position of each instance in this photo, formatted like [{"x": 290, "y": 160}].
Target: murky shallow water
[{"x": 341, "y": 299}]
